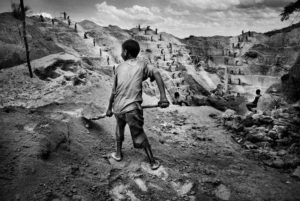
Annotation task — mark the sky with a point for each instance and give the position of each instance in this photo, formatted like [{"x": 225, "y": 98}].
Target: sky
[{"x": 181, "y": 18}]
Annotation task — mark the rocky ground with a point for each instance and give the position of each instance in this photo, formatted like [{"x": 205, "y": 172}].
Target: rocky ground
[
  {"x": 271, "y": 137},
  {"x": 48, "y": 154}
]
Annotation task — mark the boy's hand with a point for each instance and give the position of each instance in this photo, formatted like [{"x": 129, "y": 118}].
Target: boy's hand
[
  {"x": 109, "y": 113},
  {"x": 163, "y": 103}
]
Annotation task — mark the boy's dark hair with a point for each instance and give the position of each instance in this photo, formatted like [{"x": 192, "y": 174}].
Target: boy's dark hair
[
  {"x": 132, "y": 47},
  {"x": 176, "y": 94},
  {"x": 257, "y": 91}
]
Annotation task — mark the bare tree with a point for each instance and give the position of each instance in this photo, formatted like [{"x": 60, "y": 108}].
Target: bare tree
[{"x": 25, "y": 37}]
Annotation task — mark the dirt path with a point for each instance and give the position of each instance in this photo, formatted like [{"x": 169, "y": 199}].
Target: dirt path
[{"x": 49, "y": 155}]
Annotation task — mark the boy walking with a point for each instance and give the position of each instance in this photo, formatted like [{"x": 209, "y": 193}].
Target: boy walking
[{"x": 126, "y": 99}]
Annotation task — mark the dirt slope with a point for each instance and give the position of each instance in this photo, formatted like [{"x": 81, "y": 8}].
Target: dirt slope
[{"x": 12, "y": 51}]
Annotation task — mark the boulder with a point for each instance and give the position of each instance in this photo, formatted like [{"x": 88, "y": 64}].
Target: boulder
[
  {"x": 276, "y": 113},
  {"x": 237, "y": 126},
  {"x": 217, "y": 102},
  {"x": 266, "y": 119},
  {"x": 281, "y": 152},
  {"x": 228, "y": 114},
  {"x": 260, "y": 119},
  {"x": 257, "y": 116},
  {"x": 258, "y": 137},
  {"x": 291, "y": 161},
  {"x": 262, "y": 129},
  {"x": 199, "y": 100},
  {"x": 296, "y": 173},
  {"x": 249, "y": 145},
  {"x": 278, "y": 163},
  {"x": 280, "y": 130},
  {"x": 248, "y": 121},
  {"x": 273, "y": 134}
]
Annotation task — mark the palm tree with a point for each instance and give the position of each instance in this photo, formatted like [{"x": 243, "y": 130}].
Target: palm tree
[{"x": 290, "y": 9}]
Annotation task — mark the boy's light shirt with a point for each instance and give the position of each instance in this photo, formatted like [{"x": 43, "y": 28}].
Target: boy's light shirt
[{"x": 127, "y": 88}]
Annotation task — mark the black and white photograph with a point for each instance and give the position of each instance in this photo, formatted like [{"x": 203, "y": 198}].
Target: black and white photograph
[{"x": 149, "y": 100}]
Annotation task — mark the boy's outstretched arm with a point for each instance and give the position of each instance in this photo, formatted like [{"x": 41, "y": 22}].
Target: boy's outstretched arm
[{"x": 163, "y": 103}]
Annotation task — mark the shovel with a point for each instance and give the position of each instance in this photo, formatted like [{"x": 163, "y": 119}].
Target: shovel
[{"x": 86, "y": 114}]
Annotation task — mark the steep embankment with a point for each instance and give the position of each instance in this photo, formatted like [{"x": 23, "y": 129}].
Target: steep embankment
[
  {"x": 12, "y": 51},
  {"x": 252, "y": 60}
]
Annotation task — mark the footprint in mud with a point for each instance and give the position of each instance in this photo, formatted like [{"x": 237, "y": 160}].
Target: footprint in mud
[{"x": 161, "y": 172}]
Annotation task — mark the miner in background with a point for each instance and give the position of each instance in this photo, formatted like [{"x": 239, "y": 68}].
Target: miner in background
[{"x": 252, "y": 105}]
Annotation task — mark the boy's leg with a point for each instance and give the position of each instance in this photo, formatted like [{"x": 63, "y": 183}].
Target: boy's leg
[
  {"x": 252, "y": 106},
  {"x": 248, "y": 105},
  {"x": 154, "y": 163},
  {"x": 135, "y": 122},
  {"x": 120, "y": 127}
]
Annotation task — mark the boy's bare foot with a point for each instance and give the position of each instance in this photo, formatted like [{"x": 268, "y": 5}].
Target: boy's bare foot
[
  {"x": 116, "y": 157},
  {"x": 155, "y": 165}
]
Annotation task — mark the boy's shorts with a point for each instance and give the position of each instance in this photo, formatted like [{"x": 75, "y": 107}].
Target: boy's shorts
[
  {"x": 251, "y": 105},
  {"x": 135, "y": 121}
]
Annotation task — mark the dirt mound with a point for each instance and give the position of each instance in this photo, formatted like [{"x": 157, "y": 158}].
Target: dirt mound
[
  {"x": 12, "y": 50},
  {"x": 61, "y": 78}
]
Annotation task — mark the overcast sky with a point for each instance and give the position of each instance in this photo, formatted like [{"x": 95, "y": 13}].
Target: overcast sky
[{"x": 179, "y": 17}]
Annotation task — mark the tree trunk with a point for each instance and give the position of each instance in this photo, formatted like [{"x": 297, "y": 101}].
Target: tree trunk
[{"x": 25, "y": 37}]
